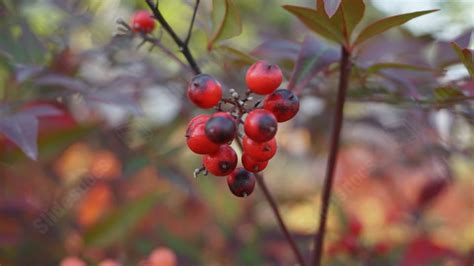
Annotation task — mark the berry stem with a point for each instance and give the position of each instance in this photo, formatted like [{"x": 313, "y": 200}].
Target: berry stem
[
  {"x": 191, "y": 24},
  {"x": 345, "y": 70},
  {"x": 276, "y": 212},
  {"x": 183, "y": 46}
]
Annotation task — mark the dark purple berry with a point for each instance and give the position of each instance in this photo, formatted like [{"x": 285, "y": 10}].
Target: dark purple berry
[
  {"x": 283, "y": 104},
  {"x": 241, "y": 182},
  {"x": 221, "y": 128}
]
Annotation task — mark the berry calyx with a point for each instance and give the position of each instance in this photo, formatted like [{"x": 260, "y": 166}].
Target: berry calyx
[
  {"x": 221, "y": 128},
  {"x": 260, "y": 125},
  {"x": 252, "y": 165},
  {"x": 263, "y": 78},
  {"x": 241, "y": 182},
  {"x": 222, "y": 162},
  {"x": 204, "y": 91},
  {"x": 142, "y": 21},
  {"x": 283, "y": 104},
  {"x": 197, "y": 140},
  {"x": 259, "y": 151}
]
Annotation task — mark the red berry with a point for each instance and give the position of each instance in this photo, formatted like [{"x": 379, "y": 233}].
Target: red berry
[
  {"x": 283, "y": 104},
  {"x": 142, "y": 21},
  {"x": 241, "y": 182},
  {"x": 204, "y": 91},
  {"x": 381, "y": 248},
  {"x": 260, "y": 125},
  {"x": 259, "y": 151},
  {"x": 222, "y": 162},
  {"x": 355, "y": 226},
  {"x": 263, "y": 78},
  {"x": 221, "y": 128},
  {"x": 197, "y": 140},
  {"x": 252, "y": 165},
  {"x": 199, "y": 119},
  {"x": 349, "y": 244}
]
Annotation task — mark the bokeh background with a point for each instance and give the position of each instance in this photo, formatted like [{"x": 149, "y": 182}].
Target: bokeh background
[{"x": 113, "y": 179}]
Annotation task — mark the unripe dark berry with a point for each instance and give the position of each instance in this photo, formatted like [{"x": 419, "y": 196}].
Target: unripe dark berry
[
  {"x": 221, "y": 128},
  {"x": 259, "y": 151},
  {"x": 222, "y": 162},
  {"x": 197, "y": 140},
  {"x": 204, "y": 91},
  {"x": 142, "y": 21},
  {"x": 260, "y": 125},
  {"x": 241, "y": 182},
  {"x": 252, "y": 165},
  {"x": 263, "y": 78},
  {"x": 283, "y": 104}
]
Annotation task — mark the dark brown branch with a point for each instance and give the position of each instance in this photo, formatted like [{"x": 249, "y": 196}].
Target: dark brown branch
[
  {"x": 345, "y": 70},
  {"x": 191, "y": 24},
  {"x": 276, "y": 212},
  {"x": 183, "y": 47}
]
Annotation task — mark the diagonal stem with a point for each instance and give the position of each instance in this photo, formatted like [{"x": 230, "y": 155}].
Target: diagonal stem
[
  {"x": 276, "y": 212},
  {"x": 191, "y": 24},
  {"x": 183, "y": 47},
  {"x": 345, "y": 70}
]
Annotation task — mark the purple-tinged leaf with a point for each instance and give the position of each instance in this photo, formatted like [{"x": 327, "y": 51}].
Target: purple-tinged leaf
[
  {"x": 468, "y": 88},
  {"x": 317, "y": 21},
  {"x": 277, "y": 49},
  {"x": 385, "y": 24},
  {"x": 22, "y": 129},
  {"x": 25, "y": 72},
  {"x": 42, "y": 110},
  {"x": 445, "y": 55},
  {"x": 314, "y": 57},
  {"x": 331, "y": 6},
  {"x": 466, "y": 58},
  {"x": 62, "y": 81},
  {"x": 379, "y": 66}
]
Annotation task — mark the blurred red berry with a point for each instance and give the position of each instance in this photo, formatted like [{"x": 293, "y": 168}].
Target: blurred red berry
[
  {"x": 222, "y": 162},
  {"x": 355, "y": 226},
  {"x": 142, "y": 21},
  {"x": 241, "y": 182},
  {"x": 283, "y": 104},
  {"x": 259, "y": 151},
  {"x": 252, "y": 165},
  {"x": 260, "y": 125},
  {"x": 204, "y": 91},
  {"x": 263, "y": 78}
]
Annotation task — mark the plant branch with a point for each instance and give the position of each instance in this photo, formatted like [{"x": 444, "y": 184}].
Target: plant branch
[
  {"x": 188, "y": 36},
  {"x": 183, "y": 47},
  {"x": 345, "y": 69},
  {"x": 276, "y": 212}
]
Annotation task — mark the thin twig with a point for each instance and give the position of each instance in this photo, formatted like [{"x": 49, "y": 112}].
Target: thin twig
[
  {"x": 276, "y": 212},
  {"x": 345, "y": 69},
  {"x": 183, "y": 47},
  {"x": 188, "y": 36}
]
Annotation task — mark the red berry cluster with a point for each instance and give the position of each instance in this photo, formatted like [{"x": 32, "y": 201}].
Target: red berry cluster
[{"x": 211, "y": 135}]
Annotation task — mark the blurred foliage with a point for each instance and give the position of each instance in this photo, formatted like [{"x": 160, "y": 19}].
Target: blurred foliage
[{"x": 112, "y": 179}]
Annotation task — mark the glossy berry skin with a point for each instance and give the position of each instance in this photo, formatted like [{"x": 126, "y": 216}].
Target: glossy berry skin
[
  {"x": 199, "y": 119},
  {"x": 263, "y": 78},
  {"x": 221, "y": 128},
  {"x": 252, "y": 165},
  {"x": 222, "y": 162},
  {"x": 197, "y": 140},
  {"x": 204, "y": 91},
  {"x": 142, "y": 21},
  {"x": 241, "y": 182},
  {"x": 260, "y": 125},
  {"x": 283, "y": 104},
  {"x": 259, "y": 151}
]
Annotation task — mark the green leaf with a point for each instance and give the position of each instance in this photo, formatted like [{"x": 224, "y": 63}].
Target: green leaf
[
  {"x": 226, "y": 21},
  {"x": 234, "y": 56},
  {"x": 446, "y": 93},
  {"x": 385, "y": 24},
  {"x": 118, "y": 224},
  {"x": 466, "y": 57},
  {"x": 317, "y": 21},
  {"x": 377, "y": 67},
  {"x": 348, "y": 16}
]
